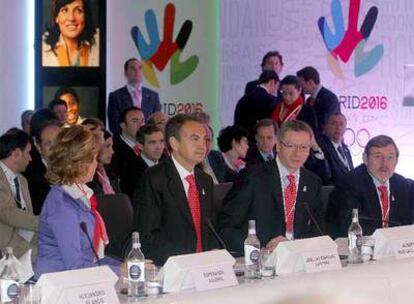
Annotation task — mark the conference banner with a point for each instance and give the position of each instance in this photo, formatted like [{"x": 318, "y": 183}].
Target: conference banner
[
  {"x": 363, "y": 49},
  {"x": 177, "y": 42}
]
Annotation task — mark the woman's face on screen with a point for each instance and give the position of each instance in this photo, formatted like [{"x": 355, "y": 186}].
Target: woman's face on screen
[
  {"x": 71, "y": 19},
  {"x": 73, "y": 107}
]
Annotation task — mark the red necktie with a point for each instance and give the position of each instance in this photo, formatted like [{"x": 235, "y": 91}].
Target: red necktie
[
  {"x": 311, "y": 101},
  {"x": 290, "y": 200},
  {"x": 136, "y": 150},
  {"x": 100, "y": 238},
  {"x": 194, "y": 204},
  {"x": 385, "y": 204}
]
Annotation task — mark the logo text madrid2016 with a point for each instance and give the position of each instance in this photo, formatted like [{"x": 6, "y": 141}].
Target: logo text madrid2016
[
  {"x": 341, "y": 43},
  {"x": 157, "y": 53}
]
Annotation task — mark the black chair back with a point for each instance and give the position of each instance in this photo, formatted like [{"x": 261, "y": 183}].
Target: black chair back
[{"x": 219, "y": 193}]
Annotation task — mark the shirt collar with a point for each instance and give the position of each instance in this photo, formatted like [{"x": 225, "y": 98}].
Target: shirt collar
[
  {"x": 183, "y": 172},
  {"x": 10, "y": 175},
  {"x": 61, "y": 42},
  {"x": 131, "y": 88},
  {"x": 264, "y": 87},
  {"x": 128, "y": 141},
  {"x": 266, "y": 155},
  {"x": 75, "y": 191},
  {"x": 149, "y": 162},
  {"x": 377, "y": 183},
  {"x": 316, "y": 92}
]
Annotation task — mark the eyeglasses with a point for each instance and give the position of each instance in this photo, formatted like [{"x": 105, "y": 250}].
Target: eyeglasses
[
  {"x": 382, "y": 158},
  {"x": 292, "y": 147}
]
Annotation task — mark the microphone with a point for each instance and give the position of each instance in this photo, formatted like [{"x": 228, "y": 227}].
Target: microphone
[
  {"x": 84, "y": 228},
  {"x": 216, "y": 235},
  {"x": 374, "y": 219},
  {"x": 308, "y": 211}
]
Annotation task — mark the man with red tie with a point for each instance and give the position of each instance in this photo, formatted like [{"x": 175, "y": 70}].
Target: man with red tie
[
  {"x": 282, "y": 196},
  {"x": 383, "y": 198},
  {"x": 175, "y": 198}
]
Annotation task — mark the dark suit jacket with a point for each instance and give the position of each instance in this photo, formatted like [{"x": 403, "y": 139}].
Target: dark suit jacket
[
  {"x": 127, "y": 166},
  {"x": 356, "y": 189},
  {"x": 39, "y": 186},
  {"x": 253, "y": 156},
  {"x": 253, "y": 107},
  {"x": 96, "y": 185},
  {"x": 257, "y": 194},
  {"x": 336, "y": 165},
  {"x": 250, "y": 86},
  {"x": 223, "y": 173},
  {"x": 164, "y": 219},
  {"x": 120, "y": 99}
]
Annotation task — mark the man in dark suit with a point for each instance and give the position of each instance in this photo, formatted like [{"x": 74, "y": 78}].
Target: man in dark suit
[
  {"x": 382, "y": 197},
  {"x": 279, "y": 195},
  {"x": 272, "y": 61},
  {"x": 176, "y": 197},
  {"x": 133, "y": 94},
  {"x": 321, "y": 103},
  {"x": 265, "y": 133},
  {"x": 258, "y": 104},
  {"x": 334, "y": 148},
  {"x": 125, "y": 158}
]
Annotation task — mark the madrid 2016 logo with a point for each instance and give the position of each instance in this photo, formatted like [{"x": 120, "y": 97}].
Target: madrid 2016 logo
[
  {"x": 341, "y": 43},
  {"x": 157, "y": 53}
]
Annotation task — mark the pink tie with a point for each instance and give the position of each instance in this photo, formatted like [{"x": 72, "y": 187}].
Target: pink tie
[
  {"x": 194, "y": 204},
  {"x": 136, "y": 96},
  {"x": 385, "y": 204},
  {"x": 290, "y": 200}
]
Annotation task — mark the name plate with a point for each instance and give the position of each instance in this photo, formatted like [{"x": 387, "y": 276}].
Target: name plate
[
  {"x": 321, "y": 261},
  {"x": 403, "y": 248},
  {"x": 92, "y": 294},
  {"x": 213, "y": 277}
]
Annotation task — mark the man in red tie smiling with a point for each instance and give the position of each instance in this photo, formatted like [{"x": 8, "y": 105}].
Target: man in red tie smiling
[
  {"x": 280, "y": 195},
  {"x": 175, "y": 198},
  {"x": 383, "y": 197}
]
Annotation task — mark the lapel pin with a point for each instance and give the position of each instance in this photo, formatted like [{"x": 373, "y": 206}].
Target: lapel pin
[{"x": 304, "y": 189}]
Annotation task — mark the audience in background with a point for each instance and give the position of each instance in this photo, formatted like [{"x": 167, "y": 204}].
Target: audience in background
[
  {"x": 72, "y": 100},
  {"x": 133, "y": 94},
  {"x": 25, "y": 119},
  {"x": 69, "y": 212},
  {"x": 265, "y": 149},
  {"x": 158, "y": 119},
  {"x": 60, "y": 108},
  {"x": 18, "y": 224},
  {"x": 233, "y": 143},
  {"x": 334, "y": 148}
]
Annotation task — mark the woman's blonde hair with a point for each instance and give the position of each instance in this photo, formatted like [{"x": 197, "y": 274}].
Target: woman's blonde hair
[{"x": 75, "y": 148}]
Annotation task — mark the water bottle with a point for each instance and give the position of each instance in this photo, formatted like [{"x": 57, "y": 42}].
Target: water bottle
[
  {"x": 355, "y": 239},
  {"x": 136, "y": 268},
  {"x": 252, "y": 253},
  {"x": 9, "y": 279}
]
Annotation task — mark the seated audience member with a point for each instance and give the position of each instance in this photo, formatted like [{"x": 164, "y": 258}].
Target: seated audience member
[
  {"x": 71, "y": 97},
  {"x": 382, "y": 197},
  {"x": 18, "y": 224},
  {"x": 176, "y": 197},
  {"x": 321, "y": 103},
  {"x": 96, "y": 126},
  {"x": 258, "y": 104},
  {"x": 104, "y": 181},
  {"x": 25, "y": 120},
  {"x": 214, "y": 163},
  {"x": 125, "y": 146},
  {"x": 60, "y": 108},
  {"x": 133, "y": 94},
  {"x": 158, "y": 119},
  {"x": 70, "y": 211},
  {"x": 233, "y": 143},
  {"x": 334, "y": 148},
  {"x": 272, "y": 61},
  {"x": 151, "y": 144},
  {"x": 35, "y": 173},
  {"x": 264, "y": 150},
  {"x": 275, "y": 194}
]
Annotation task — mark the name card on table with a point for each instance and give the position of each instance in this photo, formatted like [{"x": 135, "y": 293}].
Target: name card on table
[
  {"x": 395, "y": 242},
  {"x": 310, "y": 255},
  {"x": 81, "y": 286},
  {"x": 205, "y": 270}
]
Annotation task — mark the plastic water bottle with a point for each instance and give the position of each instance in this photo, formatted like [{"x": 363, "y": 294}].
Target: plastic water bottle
[
  {"x": 136, "y": 268},
  {"x": 9, "y": 279},
  {"x": 355, "y": 239},
  {"x": 252, "y": 253}
]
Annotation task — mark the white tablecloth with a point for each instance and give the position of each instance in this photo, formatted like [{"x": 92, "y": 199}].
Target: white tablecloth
[{"x": 379, "y": 282}]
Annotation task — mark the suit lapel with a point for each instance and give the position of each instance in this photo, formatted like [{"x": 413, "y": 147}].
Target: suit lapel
[
  {"x": 126, "y": 98},
  {"x": 204, "y": 203},
  {"x": 372, "y": 196},
  {"x": 25, "y": 193},
  {"x": 336, "y": 158},
  {"x": 177, "y": 191},
  {"x": 276, "y": 185},
  {"x": 301, "y": 197}
]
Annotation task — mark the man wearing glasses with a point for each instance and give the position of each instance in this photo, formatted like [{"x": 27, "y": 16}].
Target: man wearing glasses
[
  {"x": 382, "y": 197},
  {"x": 282, "y": 196}
]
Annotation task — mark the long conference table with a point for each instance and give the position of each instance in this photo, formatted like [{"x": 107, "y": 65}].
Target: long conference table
[{"x": 386, "y": 281}]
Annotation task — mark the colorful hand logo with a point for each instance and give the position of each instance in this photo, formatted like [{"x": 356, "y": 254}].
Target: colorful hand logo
[
  {"x": 157, "y": 53},
  {"x": 343, "y": 43}
]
